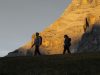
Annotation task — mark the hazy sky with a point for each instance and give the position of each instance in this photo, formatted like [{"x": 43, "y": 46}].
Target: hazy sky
[{"x": 19, "y": 19}]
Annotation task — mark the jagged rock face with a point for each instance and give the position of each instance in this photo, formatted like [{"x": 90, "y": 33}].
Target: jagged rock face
[
  {"x": 90, "y": 41},
  {"x": 71, "y": 23}
]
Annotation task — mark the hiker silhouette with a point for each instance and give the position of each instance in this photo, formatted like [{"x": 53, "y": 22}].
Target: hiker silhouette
[
  {"x": 67, "y": 44},
  {"x": 37, "y": 43}
]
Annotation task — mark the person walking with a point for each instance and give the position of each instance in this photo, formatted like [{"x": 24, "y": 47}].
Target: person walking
[
  {"x": 37, "y": 43},
  {"x": 67, "y": 44}
]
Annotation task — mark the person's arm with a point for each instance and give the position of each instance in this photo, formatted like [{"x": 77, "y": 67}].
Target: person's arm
[{"x": 33, "y": 43}]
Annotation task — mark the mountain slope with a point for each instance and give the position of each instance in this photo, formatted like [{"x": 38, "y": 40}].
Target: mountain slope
[
  {"x": 71, "y": 23},
  {"x": 90, "y": 41}
]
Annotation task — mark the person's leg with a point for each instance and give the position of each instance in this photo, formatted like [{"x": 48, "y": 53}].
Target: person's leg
[
  {"x": 38, "y": 50},
  {"x": 64, "y": 50},
  {"x": 68, "y": 50},
  {"x": 35, "y": 53}
]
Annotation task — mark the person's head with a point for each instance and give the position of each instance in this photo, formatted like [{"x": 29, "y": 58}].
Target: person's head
[
  {"x": 65, "y": 36},
  {"x": 37, "y": 34}
]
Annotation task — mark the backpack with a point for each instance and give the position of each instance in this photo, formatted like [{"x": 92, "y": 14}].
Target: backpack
[
  {"x": 69, "y": 43},
  {"x": 40, "y": 40}
]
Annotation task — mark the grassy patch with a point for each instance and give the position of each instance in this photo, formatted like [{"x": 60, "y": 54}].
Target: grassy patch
[{"x": 74, "y": 64}]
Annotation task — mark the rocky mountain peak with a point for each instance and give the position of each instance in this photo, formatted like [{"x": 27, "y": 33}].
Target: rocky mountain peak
[{"x": 71, "y": 22}]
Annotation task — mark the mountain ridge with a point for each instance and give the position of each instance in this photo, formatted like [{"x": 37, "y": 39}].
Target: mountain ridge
[{"x": 71, "y": 22}]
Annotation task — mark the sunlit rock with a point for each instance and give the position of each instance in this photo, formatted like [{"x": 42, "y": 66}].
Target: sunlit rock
[{"x": 71, "y": 22}]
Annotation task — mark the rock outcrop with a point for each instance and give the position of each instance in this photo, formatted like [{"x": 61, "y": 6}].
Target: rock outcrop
[
  {"x": 90, "y": 41},
  {"x": 71, "y": 23}
]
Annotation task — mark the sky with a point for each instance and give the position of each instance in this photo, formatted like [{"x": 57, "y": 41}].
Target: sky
[{"x": 19, "y": 19}]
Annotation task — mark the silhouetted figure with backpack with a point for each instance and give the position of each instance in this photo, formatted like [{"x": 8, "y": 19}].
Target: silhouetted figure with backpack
[
  {"x": 67, "y": 44},
  {"x": 37, "y": 43}
]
